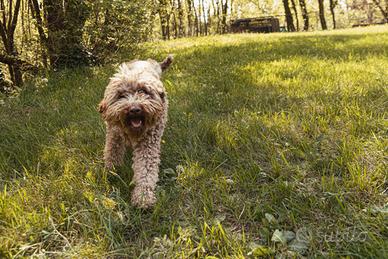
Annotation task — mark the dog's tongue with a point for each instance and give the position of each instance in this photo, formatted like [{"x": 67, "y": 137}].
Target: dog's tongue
[{"x": 136, "y": 123}]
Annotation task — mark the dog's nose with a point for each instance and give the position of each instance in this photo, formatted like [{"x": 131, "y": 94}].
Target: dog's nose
[{"x": 135, "y": 110}]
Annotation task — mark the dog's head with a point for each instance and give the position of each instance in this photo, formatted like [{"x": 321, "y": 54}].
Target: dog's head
[{"x": 135, "y": 97}]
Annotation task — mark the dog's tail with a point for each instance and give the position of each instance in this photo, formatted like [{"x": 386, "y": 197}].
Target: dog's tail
[{"x": 166, "y": 62}]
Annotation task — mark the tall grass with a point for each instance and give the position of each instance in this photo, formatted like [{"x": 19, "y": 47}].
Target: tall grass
[{"x": 282, "y": 132}]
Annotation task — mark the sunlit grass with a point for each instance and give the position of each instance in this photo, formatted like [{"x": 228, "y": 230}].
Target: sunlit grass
[{"x": 267, "y": 132}]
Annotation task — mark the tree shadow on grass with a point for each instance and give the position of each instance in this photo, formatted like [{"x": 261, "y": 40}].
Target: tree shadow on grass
[
  {"x": 45, "y": 117},
  {"x": 218, "y": 86},
  {"x": 222, "y": 86},
  {"x": 218, "y": 69},
  {"x": 221, "y": 81},
  {"x": 218, "y": 89}
]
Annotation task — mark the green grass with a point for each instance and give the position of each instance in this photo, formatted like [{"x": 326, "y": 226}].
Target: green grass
[{"x": 267, "y": 132}]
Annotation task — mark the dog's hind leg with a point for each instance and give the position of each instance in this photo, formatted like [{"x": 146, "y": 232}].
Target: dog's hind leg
[{"x": 115, "y": 148}]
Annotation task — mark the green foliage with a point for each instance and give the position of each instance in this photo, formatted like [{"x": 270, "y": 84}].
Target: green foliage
[
  {"x": 117, "y": 25},
  {"x": 268, "y": 135}
]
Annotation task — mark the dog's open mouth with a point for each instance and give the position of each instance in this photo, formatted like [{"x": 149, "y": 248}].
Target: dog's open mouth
[{"x": 135, "y": 122}]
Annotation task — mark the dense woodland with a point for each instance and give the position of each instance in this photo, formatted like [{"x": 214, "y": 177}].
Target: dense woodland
[{"x": 42, "y": 35}]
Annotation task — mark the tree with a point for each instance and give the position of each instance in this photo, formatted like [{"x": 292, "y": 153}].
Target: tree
[
  {"x": 65, "y": 22},
  {"x": 384, "y": 11},
  {"x": 289, "y": 20},
  {"x": 174, "y": 18},
  {"x": 180, "y": 17},
  {"x": 7, "y": 32},
  {"x": 164, "y": 16},
  {"x": 322, "y": 14},
  {"x": 296, "y": 14},
  {"x": 112, "y": 25},
  {"x": 36, "y": 14},
  {"x": 333, "y": 4},
  {"x": 216, "y": 13},
  {"x": 224, "y": 9},
  {"x": 205, "y": 18},
  {"x": 209, "y": 20},
  {"x": 200, "y": 17},
  {"x": 305, "y": 15},
  {"x": 190, "y": 30},
  {"x": 196, "y": 19}
]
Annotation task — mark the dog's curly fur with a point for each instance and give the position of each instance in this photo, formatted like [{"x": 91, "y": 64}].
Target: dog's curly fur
[{"x": 134, "y": 108}]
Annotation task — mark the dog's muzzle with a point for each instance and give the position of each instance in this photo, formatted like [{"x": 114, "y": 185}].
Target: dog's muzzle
[{"x": 135, "y": 119}]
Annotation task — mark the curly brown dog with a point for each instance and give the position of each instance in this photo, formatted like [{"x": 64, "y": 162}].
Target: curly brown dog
[{"x": 134, "y": 108}]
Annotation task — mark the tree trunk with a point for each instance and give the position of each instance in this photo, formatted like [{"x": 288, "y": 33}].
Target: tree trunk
[
  {"x": 18, "y": 77},
  {"x": 224, "y": 14},
  {"x": 216, "y": 10},
  {"x": 189, "y": 18},
  {"x": 322, "y": 14},
  {"x": 180, "y": 17},
  {"x": 35, "y": 10},
  {"x": 200, "y": 17},
  {"x": 168, "y": 35},
  {"x": 204, "y": 17},
  {"x": 289, "y": 20},
  {"x": 164, "y": 15},
  {"x": 163, "y": 26},
  {"x": 296, "y": 14},
  {"x": 65, "y": 22},
  {"x": 305, "y": 15},
  {"x": 333, "y": 4},
  {"x": 196, "y": 20},
  {"x": 174, "y": 19},
  {"x": 55, "y": 24},
  {"x": 209, "y": 21},
  {"x": 7, "y": 32},
  {"x": 175, "y": 25}
]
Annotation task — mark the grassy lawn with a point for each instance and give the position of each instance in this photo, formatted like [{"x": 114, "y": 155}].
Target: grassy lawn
[{"x": 276, "y": 146}]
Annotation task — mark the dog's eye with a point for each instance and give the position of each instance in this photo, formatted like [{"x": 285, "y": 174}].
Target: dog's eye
[
  {"x": 121, "y": 96},
  {"x": 141, "y": 91},
  {"x": 162, "y": 94}
]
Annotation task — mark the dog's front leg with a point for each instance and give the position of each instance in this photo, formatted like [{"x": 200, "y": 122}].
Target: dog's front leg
[
  {"x": 146, "y": 159},
  {"x": 114, "y": 147}
]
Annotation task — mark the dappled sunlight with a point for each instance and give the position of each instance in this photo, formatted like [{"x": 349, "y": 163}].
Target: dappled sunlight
[
  {"x": 265, "y": 132},
  {"x": 183, "y": 45},
  {"x": 189, "y": 174}
]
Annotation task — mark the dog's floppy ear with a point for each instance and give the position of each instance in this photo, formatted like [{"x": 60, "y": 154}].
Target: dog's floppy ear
[
  {"x": 102, "y": 106},
  {"x": 166, "y": 63}
]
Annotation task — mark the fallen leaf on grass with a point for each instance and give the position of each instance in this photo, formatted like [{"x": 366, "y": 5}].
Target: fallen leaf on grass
[
  {"x": 271, "y": 218},
  {"x": 283, "y": 237},
  {"x": 278, "y": 237},
  {"x": 301, "y": 241}
]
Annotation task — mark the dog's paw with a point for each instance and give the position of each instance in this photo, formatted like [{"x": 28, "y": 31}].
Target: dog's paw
[{"x": 143, "y": 197}]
